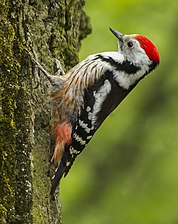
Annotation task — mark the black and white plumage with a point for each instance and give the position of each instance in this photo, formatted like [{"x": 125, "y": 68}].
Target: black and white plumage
[{"x": 90, "y": 91}]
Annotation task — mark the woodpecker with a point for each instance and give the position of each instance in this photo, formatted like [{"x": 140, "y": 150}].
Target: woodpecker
[{"x": 82, "y": 98}]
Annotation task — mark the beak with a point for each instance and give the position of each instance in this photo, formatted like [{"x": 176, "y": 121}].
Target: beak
[{"x": 117, "y": 34}]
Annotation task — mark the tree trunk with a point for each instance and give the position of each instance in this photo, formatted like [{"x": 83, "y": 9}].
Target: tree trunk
[{"x": 53, "y": 29}]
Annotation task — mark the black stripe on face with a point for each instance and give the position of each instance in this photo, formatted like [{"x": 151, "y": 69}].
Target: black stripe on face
[
  {"x": 125, "y": 66},
  {"x": 152, "y": 66}
]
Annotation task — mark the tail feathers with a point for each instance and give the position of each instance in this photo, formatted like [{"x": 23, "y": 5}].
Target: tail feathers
[
  {"x": 59, "y": 173},
  {"x": 71, "y": 161},
  {"x": 57, "y": 177}
]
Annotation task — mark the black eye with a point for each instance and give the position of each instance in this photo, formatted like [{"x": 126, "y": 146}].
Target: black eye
[{"x": 130, "y": 44}]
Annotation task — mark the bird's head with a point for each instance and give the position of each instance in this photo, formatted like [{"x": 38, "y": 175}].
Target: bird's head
[{"x": 137, "y": 49}]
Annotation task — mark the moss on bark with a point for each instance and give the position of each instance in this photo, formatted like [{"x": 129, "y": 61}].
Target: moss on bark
[{"x": 52, "y": 29}]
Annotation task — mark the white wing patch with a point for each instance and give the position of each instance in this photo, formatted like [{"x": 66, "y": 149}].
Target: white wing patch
[
  {"x": 100, "y": 97},
  {"x": 79, "y": 139},
  {"x": 84, "y": 126},
  {"x": 73, "y": 151}
]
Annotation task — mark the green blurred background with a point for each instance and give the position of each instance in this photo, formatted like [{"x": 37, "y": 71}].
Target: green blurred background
[{"x": 128, "y": 174}]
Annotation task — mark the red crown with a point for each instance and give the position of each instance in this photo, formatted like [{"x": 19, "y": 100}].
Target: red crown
[{"x": 149, "y": 48}]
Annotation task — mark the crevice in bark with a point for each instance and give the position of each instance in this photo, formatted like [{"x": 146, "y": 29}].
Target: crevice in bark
[{"x": 24, "y": 109}]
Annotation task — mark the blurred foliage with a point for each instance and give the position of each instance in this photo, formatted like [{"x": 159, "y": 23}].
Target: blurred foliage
[{"x": 128, "y": 173}]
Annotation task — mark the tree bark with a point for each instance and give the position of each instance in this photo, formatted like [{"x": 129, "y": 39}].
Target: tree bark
[{"x": 53, "y": 29}]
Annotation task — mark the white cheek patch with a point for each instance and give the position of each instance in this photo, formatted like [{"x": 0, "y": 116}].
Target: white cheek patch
[{"x": 126, "y": 80}]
